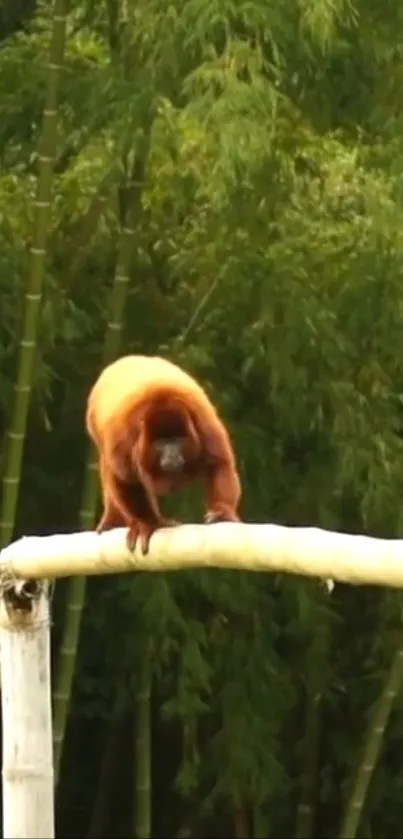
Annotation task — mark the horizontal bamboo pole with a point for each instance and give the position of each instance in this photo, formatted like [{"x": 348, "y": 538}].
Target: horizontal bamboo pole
[{"x": 248, "y": 547}]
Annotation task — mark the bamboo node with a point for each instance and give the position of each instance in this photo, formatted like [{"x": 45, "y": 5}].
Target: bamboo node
[
  {"x": 19, "y": 596},
  {"x": 27, "y": 770}
]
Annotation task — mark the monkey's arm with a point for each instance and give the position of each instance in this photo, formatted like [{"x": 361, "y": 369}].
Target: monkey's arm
[
  {"x": 223, "y": 493},
  {"x": 223, "y": 484}
]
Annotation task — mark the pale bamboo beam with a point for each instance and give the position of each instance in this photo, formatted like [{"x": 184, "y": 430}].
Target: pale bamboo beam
[
  {"x": 26, "y": 718},
  {"x": 248, "y": 547}
]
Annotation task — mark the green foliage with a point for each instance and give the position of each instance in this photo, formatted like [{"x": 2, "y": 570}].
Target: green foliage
[{"x": 266, "y": 257}]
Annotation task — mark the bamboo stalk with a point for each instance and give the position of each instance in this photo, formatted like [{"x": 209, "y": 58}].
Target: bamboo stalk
[
  {"x": 309, "y": 774},
  {"x": 142, "y": 815},
  {"x": 33, "y": 296},
  {"x": 372, "y": 746},
  {"x": 77, "y": 586}
]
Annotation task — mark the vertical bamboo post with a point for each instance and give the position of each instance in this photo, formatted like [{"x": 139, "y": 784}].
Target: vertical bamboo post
[{"x": 28, "y": 807}]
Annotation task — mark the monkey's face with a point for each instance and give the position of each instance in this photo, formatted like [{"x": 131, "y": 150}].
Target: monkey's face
[
  {"x": 170, "y": 455},
  {"x": 171, "y": 463},
  {"x": 169, "y": 447}
]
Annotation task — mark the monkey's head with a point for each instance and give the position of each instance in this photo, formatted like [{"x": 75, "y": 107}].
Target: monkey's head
[
  {"x": 173, "y": 445},
  {"x": 170, "y": 454}
]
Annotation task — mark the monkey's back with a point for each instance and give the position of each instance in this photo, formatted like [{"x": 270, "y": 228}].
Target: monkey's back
[{"x": 131, "y": 379}]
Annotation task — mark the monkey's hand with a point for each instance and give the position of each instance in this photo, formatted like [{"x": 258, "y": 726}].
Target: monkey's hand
[
  {"x": 220, "y": 514},
  {"x": 140, "y": 531}
]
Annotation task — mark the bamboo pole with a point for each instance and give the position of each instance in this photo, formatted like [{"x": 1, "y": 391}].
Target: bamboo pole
[
  {"x": 248, "y": 547},
  {"x": 28, "y": 809}
]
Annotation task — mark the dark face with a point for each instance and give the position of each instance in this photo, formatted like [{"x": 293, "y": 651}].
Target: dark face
[{"x": 170, "y": 455}]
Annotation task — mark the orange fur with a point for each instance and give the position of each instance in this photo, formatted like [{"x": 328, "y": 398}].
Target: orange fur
[{"x": 132, "y": 400}]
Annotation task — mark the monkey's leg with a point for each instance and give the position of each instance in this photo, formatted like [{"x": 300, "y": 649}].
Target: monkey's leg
[
  {"x": 112, "y": 515},
  {"x": 146, "y": 518},
  {"x": 118, "y": 507},
  {"x": 138, "y": 512}
]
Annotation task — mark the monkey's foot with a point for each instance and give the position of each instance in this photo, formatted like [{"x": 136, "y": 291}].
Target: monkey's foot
[
  {"x": 220, "y": 515},
  {"x": 141, "y": 532}
]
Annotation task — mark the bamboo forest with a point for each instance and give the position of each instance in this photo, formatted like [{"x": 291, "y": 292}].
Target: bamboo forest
[{"x": 218, "y": 182}]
